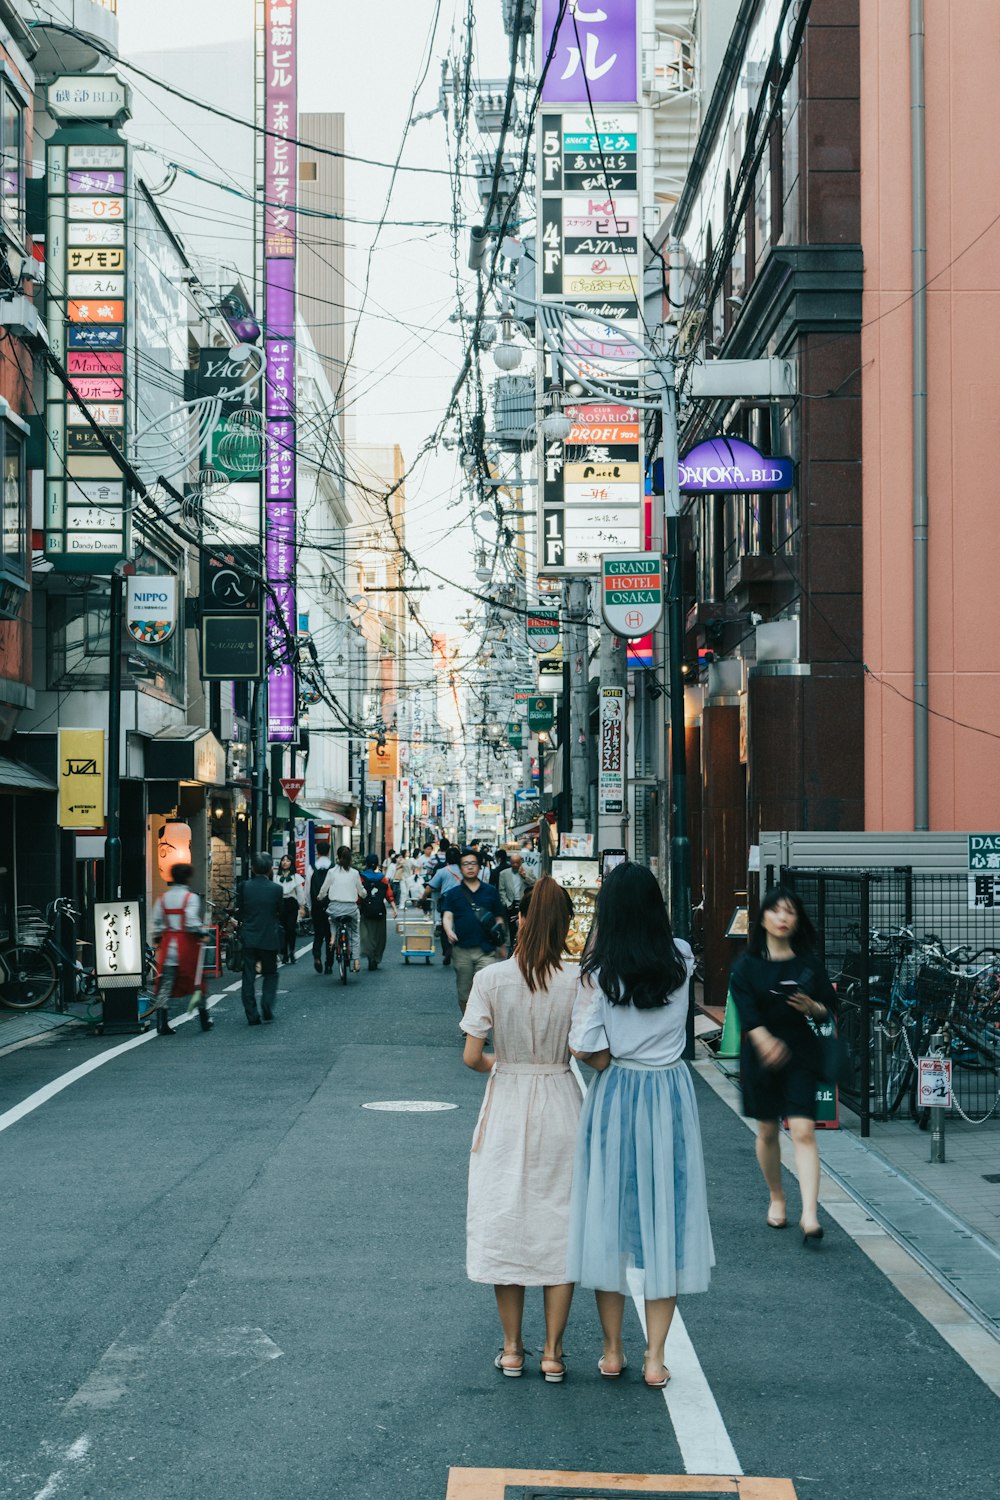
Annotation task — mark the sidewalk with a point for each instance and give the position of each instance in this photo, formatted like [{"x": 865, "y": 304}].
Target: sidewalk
[
  {"x": 18, "y": 1027},
  {"x": 946, "y": 1215}
]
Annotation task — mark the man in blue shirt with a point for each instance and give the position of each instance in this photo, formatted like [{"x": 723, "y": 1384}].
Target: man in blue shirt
[{"x": 467, "y": 911}]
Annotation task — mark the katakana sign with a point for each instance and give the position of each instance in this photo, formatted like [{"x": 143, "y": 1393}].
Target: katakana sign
[{"x": 86, "y": 254}]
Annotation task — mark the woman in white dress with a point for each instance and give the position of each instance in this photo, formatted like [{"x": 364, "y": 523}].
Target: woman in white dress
[
  {"x": 522, "y": 1153},
  {"x": 639, "y": 1198}
]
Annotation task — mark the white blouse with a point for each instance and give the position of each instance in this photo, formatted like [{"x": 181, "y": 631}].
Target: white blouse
[
  {"x": 653, "y": 1037},
  {"x": 341, "y": 885}
]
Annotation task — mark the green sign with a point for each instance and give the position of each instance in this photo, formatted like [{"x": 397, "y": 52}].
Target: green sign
[
  {"x": 984, "y": 851},
  {"x": 542, "y": 628},
  {"x": 541, "y": 712},
  {"x": 514, "y": 736}
]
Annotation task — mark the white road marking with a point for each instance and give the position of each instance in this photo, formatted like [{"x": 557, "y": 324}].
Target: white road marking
[
  {"x": 701, "y": 1433},
  {"x": 66, "y": 1080},
  {"x": 74, "y": 1454}
]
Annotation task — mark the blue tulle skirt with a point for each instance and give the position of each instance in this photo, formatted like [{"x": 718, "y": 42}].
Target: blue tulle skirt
[{"x": 639, "y": 1198}]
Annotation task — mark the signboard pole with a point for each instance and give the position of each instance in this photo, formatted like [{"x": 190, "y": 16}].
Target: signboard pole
[{"x": 113, "y": 846}]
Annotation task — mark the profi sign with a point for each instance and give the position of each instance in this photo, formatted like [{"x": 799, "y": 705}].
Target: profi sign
[{"x": 631, "y": 592}]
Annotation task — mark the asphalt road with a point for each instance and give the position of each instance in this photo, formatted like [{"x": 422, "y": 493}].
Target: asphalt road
[{"x": 221, "y": 1275}]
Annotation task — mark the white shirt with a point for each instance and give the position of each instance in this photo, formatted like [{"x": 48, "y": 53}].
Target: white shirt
[
  {"x": 293, "y": 887},
  {"x": 341, "y": 885},
  {"x": 652, "y": 1037}
]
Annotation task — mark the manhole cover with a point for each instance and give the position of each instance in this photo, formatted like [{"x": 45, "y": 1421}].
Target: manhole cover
[{"x": 409, "y": 1106}]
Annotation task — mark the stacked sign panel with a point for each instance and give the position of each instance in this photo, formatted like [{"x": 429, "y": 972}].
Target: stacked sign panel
[
  {"x": 280, "y": 189},
  {"x": 590, "y": 236},
  {"x": 87, "y": 249}
]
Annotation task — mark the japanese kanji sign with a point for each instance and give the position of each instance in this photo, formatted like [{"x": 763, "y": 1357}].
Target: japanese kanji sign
[
  {"x": 611, "y": 769},
  {"x": 119, "y": 941},
  {"x": 86, "y": 257},
  {"x": 984, "y": 851},
  {"x": 280, "y": 190}
]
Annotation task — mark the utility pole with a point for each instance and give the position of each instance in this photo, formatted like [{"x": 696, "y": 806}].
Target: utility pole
[
  {"x": 577, "y": 680},
  {"x": 113, "y": 845},
  {"x": 680, "y": 844}
]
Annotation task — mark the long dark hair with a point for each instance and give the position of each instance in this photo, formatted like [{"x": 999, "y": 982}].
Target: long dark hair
[
  {"x": 541, "y": 937},
  {"x": 803, "y": 939},
  {"x": 631, "y": 950}
]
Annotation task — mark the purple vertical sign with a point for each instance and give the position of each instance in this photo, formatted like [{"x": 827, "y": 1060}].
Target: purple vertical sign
[
  {"x": 596, "y": 46},
  {"x": 280, "y": 187}
]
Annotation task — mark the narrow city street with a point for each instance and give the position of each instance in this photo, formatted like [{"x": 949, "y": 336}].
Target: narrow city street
[{"x": 223, "y": 1275}]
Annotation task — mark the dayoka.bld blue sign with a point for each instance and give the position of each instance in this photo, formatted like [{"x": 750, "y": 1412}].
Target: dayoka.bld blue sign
[
  {"x": 727, "y": 465},
  {"x": 730, "y": 465}
]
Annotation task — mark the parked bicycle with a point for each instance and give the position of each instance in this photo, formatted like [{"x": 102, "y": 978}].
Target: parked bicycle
[
  {"x": 917, "y": 987},
  {"x": 31, "y": 966}
]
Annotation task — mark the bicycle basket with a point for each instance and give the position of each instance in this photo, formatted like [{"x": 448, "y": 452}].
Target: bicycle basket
[
  {"x": 32, "y": 927},
  {"x": 937, "y": 988}
]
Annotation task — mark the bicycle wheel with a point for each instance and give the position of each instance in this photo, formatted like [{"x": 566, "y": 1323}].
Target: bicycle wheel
[
  {"x": 343, "y": 954},
  {"x": 898, "y": 1067},
  {"x": 32, "y": 977}
]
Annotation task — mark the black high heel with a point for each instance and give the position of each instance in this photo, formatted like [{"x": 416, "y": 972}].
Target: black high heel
[{"x": 812, "y": 1236}]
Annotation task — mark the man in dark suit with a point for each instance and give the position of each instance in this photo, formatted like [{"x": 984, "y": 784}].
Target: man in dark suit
[{"x": 259, "y": 909}]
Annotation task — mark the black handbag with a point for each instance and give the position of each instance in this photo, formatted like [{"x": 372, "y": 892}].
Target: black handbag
[{"x": 835, "y": 1061}]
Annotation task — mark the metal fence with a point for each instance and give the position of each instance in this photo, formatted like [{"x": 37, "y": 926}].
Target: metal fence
[{"x": 916, "y": 961}]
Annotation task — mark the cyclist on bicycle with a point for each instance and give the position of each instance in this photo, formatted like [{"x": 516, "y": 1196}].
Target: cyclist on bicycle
[{"x": 342, "y": 889}]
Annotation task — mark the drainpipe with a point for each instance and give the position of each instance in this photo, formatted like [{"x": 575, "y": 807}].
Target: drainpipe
[{"x": 918, "y": 185}]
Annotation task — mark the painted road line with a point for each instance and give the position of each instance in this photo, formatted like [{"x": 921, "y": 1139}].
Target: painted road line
[
  {"x": 928, "y": 1293},
  {"x": 701, "y": 1433},
  {"x": 66, "y": 1080}
]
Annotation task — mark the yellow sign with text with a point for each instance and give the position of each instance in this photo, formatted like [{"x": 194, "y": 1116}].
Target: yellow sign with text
[
  {"x": 81, "y": 778},
  {"x": 383, "y": 759}
]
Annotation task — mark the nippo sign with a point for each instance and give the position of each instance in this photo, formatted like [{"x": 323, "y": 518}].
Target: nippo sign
[
  {"x": 726, "y": 465},
  {"x": 631, "y": 592},
  {"x": 292, "y": 786},
  {"x": 543, "y": 630}
]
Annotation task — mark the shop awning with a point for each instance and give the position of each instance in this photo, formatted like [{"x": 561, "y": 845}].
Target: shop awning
[
  {"x": 286, "y": 809},
  {"x": 17, "y": 777},
  {"x": 185, "y": 752}
]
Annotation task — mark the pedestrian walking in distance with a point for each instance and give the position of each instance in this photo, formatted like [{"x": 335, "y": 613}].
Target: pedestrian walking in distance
[
  {"x": 472, "y": 923},
  {"x": 259, "y": 908},
  {"x": 639, "y": 1199},
  {"x": 377, "y": 896},
  {"x": 520, "y": 1168},
  {"x": 443, "y": 880},
  {"x": 322, "y": 939},
  {"x": 513, "y": 885},
  {"x": 178, "y": 935},
  {"x": 780, "y": 990},
  {"x": 342, "y": 890},
  {"x": 293, "y": 892}
]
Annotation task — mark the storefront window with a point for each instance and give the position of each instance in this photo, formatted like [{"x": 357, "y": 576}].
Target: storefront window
[
  {"x": 12, "y": 151},
  {"x": 77, "y": 636},
  {"x": 13, "y": 521}
]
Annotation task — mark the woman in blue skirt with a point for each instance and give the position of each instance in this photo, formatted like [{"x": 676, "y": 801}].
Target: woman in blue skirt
[{"x": 639, "y": 1201}]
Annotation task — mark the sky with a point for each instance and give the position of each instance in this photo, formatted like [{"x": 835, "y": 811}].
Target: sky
[{"x": 364, "y": 60}]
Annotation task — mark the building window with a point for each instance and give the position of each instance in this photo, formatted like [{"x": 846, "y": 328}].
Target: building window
[
  {"x": 78, "y": 636},
  {"x": 13, "y": 517},
  {"x": 12, "y": 153},
  {"x": 307, "y": 171}
]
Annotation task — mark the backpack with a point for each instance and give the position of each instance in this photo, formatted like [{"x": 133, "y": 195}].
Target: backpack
[
  {"x": 373, "y": 901},
  {"x": 316, "y": 885}
]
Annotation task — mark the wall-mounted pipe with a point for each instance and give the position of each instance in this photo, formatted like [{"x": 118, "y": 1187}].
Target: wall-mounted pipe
[{"x": 918, "y": 184}]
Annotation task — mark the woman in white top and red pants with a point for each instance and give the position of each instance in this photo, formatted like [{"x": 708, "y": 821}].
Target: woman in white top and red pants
[{"x": 178, "y": 934}]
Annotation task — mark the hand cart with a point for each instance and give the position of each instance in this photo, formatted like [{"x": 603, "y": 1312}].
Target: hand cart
[{"x": 417, "y": 933}]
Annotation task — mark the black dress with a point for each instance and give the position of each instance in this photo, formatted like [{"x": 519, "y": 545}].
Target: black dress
[{"x": 777, "y": 1093}]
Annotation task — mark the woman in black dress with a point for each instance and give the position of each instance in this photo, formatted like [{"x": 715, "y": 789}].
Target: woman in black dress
[{"x": 779, "y": 987}]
